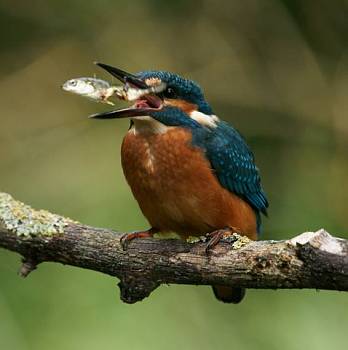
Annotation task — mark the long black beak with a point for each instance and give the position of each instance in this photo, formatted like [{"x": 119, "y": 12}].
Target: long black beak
[
  {"x": 123, "y": 113},
  {"x": 123, "y": 76}
]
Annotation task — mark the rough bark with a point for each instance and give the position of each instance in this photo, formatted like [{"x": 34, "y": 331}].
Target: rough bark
[{"x": 310, "y": 260}]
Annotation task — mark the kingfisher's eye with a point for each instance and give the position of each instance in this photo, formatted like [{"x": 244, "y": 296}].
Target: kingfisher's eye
[{"x": 169, "y": 93}]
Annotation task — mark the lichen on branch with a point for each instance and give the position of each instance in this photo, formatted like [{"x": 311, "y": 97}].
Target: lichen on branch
[{"x": 23, "y": 220}]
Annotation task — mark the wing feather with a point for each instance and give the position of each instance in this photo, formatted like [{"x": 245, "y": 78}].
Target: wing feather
[{"x": 234, "y": 165}]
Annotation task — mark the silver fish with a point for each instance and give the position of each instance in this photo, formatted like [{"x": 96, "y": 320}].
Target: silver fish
[
  {"x": 100, "y": 90},
  {"x": 95, "y": 89}
]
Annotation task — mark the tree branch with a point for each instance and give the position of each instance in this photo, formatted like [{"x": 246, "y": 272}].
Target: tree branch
[{"x": 310, "y": 260}]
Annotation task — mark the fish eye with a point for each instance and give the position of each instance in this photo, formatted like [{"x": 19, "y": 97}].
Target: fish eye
[
  {"x": 169, "y": 93},
  {"x": 73, "y": 82}
]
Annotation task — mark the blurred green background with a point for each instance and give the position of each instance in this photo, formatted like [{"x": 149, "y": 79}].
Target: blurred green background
[{"x": 276, "y": 69}]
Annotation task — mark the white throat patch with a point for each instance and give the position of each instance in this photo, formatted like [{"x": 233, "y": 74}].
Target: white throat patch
[{"x": 205, "y": 119}]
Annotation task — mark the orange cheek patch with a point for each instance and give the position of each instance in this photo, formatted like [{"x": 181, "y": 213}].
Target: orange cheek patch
[
  {"x": 185, "y": 106},
  {"x": 153, "y": 81}
]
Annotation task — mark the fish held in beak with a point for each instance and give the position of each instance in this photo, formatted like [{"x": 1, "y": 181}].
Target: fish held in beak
[
  {"x": 94, "y": 89},
  {"x": 145, "y": 98}
]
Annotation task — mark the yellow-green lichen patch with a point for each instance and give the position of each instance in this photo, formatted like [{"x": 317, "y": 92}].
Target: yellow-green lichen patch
[
  {"x": 21, "y": 219},
  {"x": 195, "y": 239},
  {"x": 237, "y": 240},
  {"x": 240, "y": 241}
]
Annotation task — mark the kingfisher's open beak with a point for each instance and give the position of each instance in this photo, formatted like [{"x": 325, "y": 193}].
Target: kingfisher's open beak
[{"x": 144, "y": 103}]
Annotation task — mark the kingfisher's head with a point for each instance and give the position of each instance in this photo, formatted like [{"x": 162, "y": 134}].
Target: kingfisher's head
[{"x": 163, "y": 96}]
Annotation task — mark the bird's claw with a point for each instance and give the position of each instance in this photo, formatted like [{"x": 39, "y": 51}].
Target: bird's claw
[
  {"x": 216, "y": 236},
  {"x": 126, "y": 238}
]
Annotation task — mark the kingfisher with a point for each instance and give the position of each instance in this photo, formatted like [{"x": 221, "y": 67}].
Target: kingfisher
[{"x": 190, "y": 172}]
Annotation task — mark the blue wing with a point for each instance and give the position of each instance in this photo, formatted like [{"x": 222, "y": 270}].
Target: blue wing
[{"x": 233, "y": 163}]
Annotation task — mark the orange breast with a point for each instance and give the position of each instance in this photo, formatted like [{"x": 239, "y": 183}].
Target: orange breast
[{"x": 176, "y": 188}]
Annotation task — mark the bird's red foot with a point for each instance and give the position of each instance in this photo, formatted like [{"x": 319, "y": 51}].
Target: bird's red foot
[
  {"x": 216, "y": 236},
  {"x": 126, "y": 238}
]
